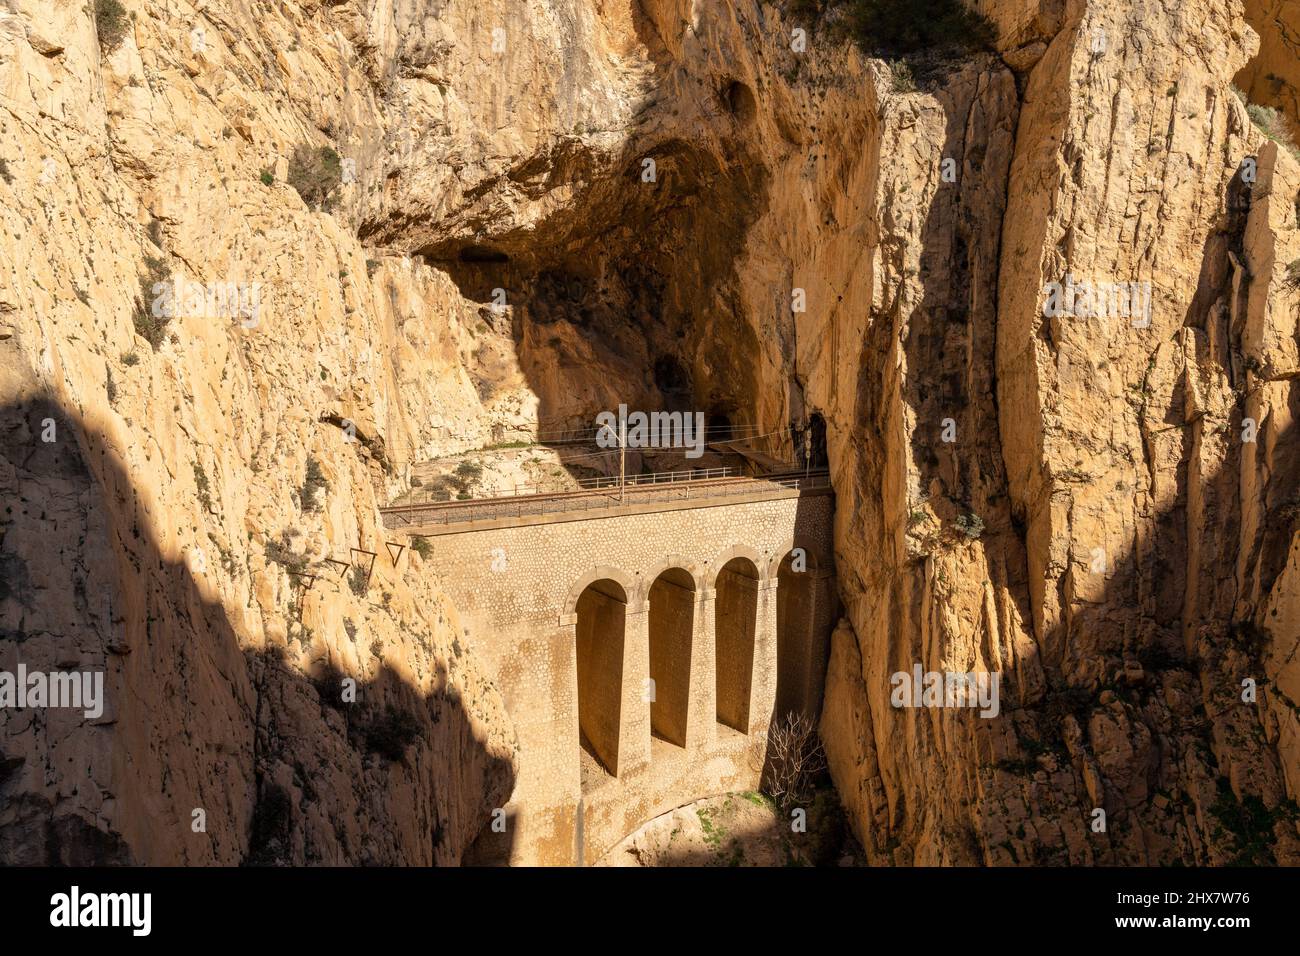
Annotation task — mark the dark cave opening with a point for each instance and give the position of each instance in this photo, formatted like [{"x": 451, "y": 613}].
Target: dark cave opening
[{"x": 481, "y": 254}]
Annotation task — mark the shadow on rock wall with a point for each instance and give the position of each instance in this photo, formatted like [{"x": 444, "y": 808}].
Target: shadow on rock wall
[{"x": 200, "y": 726}]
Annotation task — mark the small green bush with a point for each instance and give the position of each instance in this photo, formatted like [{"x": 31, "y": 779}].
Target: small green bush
[
  {"x": 971, "y": 525},
  {"x": 151, "y": 322},
  {"x": 315, "y": 172},
  {"x": 280, "y": 553},
  {"x": 390, "y": 734},
  {"x": 422, "y": 547},
  {"x": 902, "y": 79},
  {"x": 441, "y": 487},
  {"x": 267, "y": 177},
  {"x": 130, "y": 358},
  {"x": 202, "y": 486},
  {"x": 1273, "y": 125},
  {"x": 357, "y": 582},
  {"x": 909, "y": 27},
  {"x": 1293, "y": 274},
  {"x": 1250, "y": 823},
  {"x": 313, "y": 482},
  {"x": 469, "y": 471},
  {"x": 111, "y": 24}
]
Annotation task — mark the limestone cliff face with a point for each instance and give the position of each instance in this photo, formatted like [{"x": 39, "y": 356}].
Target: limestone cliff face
[
  {"x": 162, "y": 525},
  {"x": 552, "y": 208},
  {"x": 1134, "y": 531}
]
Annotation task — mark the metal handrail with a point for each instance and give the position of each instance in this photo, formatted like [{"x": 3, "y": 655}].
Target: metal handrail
[
  {"x": 486, "y": 509},
  {"x": 583, "y": 484}
]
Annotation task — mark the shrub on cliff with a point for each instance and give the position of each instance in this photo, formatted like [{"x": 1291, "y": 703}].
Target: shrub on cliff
[
  {"x": 1248, "y": 826},
  {"x": 391, "y": 733},
  {"x": 315, "y": 172},
  {"x": 283, "y": 555},
  {"x": 907, "y": 27},
  {"x": 358, "y": 581},
  {"x": 111, "y": 24},
  {"x": 970, "y": 525},
  {"x": 1273, "y": 125},
  {"x": 313, "y": 483},
  {"x": 152, "y": 311}
]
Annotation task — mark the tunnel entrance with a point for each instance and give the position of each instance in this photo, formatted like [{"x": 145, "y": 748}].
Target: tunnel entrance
[
  {"x": 602, "y": 616},
  {"x": 795, "y": 604},
  {"x": 672, "y": 620},
  {"x": 736, "y": 615},
  {"x": 808, "y": 442}
]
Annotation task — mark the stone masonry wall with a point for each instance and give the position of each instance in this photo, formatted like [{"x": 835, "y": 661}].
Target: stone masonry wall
[{"x": 517, "y": 591}]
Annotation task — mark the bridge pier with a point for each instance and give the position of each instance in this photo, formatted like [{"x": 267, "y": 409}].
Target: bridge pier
[
  {"x": 763, "y": 683},
  {"x": 807, "y": 606},
  {"x": 634, "y": 736},
  {"x": 701, "y": 717}
]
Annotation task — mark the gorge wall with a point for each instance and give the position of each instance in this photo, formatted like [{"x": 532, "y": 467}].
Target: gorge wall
[{"x": 496, "y": 259}]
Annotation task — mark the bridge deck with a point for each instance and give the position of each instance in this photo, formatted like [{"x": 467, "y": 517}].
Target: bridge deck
[{"x": 454, "y": 517}]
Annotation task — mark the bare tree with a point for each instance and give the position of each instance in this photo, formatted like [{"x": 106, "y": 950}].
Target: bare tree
[{"x": 794, "y": 758}]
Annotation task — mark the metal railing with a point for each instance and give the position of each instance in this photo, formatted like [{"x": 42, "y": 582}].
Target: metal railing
[
  {"x": 602, "y": 494},
  {"x": 569, "y": 487},
  {"x": 588, "y": 435}
]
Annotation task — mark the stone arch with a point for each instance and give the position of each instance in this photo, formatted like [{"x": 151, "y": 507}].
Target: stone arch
[
  {"x": 670, "y": 599},
  {"x": 597, "y": 573},
  {"x": 796, "y": 618},
  {"x": 810, "y": 547},
  {"x": 753, "y": 555},
  {"x": 735, "y": 608},
  {"x": 600, "y": 631},
  {"x": 699, "y": 578}
]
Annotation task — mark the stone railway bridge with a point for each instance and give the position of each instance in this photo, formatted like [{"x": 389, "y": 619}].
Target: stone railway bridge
[{"x": 642, "y": 647}]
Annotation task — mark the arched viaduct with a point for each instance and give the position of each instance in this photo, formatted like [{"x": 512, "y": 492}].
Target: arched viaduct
[{"x": 641, "y": 653}]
